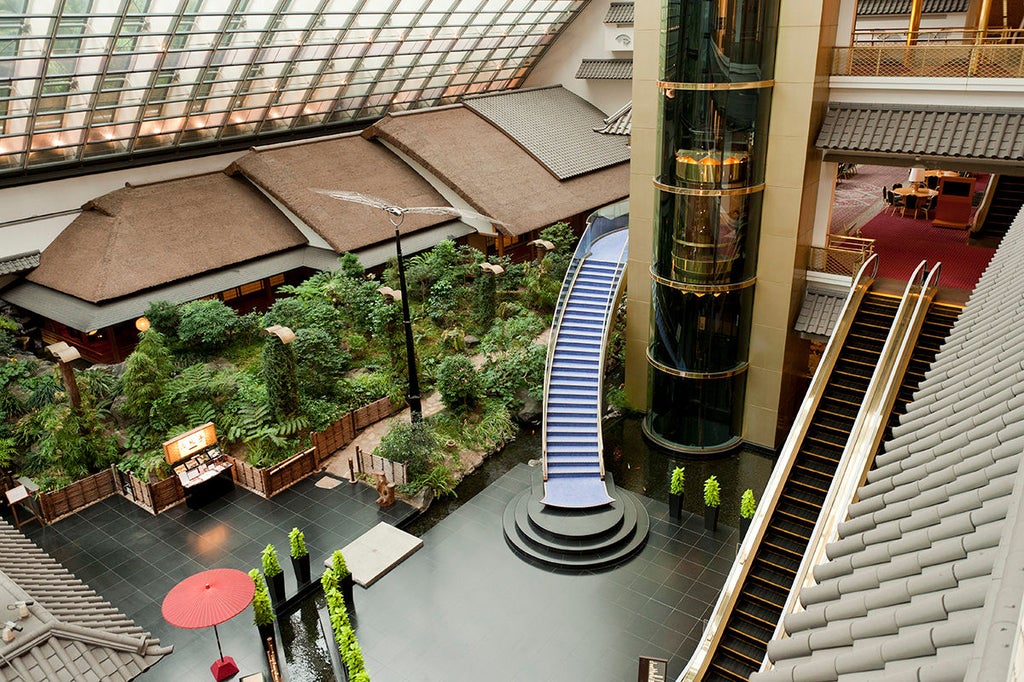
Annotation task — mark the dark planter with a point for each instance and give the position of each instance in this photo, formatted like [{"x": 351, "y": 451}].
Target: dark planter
[
  {"x": 301, "y": 567},
  {"x": 276, "y": 585},
  {"x": 346, "y": 584},
  {"x": 675, "y": 506},
  {"x": 710, "y": 518},
  {"x": 265, "y": 632},
  {"x": 744, "y": 526}
]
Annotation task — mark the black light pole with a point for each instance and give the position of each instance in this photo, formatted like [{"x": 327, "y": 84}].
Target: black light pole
[{"x": 410, "y": 352}]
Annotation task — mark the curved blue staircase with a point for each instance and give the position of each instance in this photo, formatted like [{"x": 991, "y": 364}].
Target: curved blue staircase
[{"x": 573, "y": 464}]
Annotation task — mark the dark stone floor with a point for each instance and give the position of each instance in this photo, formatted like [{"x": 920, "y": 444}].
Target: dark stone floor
[
  {"x": 462, "y": 608},
  {"x": 133, "y": 558}
]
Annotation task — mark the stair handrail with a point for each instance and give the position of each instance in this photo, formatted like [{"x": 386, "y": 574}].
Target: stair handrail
[
  {"x": 867, "y": 432},
  {"x": 609, "y": 317},
  {"x": 594, "y": 231},
  {"x": 701, "y": 657}
]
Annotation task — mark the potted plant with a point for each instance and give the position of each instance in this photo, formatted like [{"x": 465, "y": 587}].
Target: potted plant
[
  {"x": 300, "y": 555},
  {"x": 262, "y": 610},
  {"x": 675, "y": 493},
  {"x": 275, "y": 576},
  {"x": 748, "y": 505},
  {"x": 712, "y": 499},
  {"x": 344, "y": 576}
]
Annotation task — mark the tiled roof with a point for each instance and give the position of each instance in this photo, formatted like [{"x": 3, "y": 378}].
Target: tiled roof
[
  {"x": 619, "y": 13},
  {"x": 605, "y": 69},
  {"x": 924, "y": 582},
  {"x": 71, "y": 633},
  {"x": 991, "y": 134},
  {"x": 554, "y": 126},
  {"x": 19, "y": 263},
  {"x": 867, "y": 7},
  {"x": 619, "y": 123},
  {"x": 820, "y": 310}
]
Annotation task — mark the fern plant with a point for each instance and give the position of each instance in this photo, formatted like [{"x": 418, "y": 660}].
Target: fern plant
[
  {"x": 271, "y": 566},
  {"x": 297, "y": 543},
  {"x": 712, "y": 492},
  {"x": 748, "y": 505},
  {"x": 678, "y": 478}
]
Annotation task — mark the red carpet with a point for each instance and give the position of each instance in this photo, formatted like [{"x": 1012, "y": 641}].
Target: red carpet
[{"x": 902, "y": 243}]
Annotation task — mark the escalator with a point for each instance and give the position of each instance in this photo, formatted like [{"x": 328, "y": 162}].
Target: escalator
[
  {"x": 937, "y": 324},
  {"x": 774, "y": 563}
]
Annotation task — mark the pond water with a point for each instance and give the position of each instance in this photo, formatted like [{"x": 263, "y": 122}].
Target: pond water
[
  {"x": 307, "y": 657},
  {"x": 635, "y": 464}
]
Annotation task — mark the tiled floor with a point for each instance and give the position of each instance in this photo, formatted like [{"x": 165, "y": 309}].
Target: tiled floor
[
  {"x": 462, "y": 608},
  {"x": 133, "y": 558}
]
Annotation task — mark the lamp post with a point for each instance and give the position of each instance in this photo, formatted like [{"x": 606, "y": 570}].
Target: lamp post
[
  {"x": 410, "y": 352},
  {"x": 65, "y": 355}
]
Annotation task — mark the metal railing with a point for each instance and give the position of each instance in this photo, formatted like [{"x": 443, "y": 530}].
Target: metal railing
[
  {"x": 841, "y": 255},
  {"x": 961, "y": 36},
  {"x": 931, "y": 60}
]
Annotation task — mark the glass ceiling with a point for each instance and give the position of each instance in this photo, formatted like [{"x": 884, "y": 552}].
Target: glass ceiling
[{"x": 88, "y": 79}]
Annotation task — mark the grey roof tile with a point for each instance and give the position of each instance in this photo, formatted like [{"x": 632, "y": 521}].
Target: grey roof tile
[
  {"x": 605, "y": 69},
  {"x": 927, "y": 561},
  {"x": 918, "y": 130},
  {"x": 619, "y": 13},
  {"x": 820, "y": 310},
  {"x": 619, "y": 123},
  {"x": 555, "y": 126},
  {"x": 19, "y": 263},
  {"x": 71, "y": 632}
]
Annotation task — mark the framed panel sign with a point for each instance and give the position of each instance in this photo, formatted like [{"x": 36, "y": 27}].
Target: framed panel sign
[
  {"x": 189, "y": 443},
  {"x": 652, "y": 669}
]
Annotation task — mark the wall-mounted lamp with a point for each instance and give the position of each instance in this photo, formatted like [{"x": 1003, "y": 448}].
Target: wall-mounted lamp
[{"x": 142, "y": 324}]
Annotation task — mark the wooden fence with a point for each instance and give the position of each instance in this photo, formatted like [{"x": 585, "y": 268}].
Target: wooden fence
[
  {"x": 153, "y": 496},
  {"x": 157, "y": 496},
  {"x": 367, "y": 462},
  {"x": 56, "y": 504}
]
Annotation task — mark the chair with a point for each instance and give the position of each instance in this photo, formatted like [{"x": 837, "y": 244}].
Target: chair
[
  {"x": 910, "y": 203},
  {"x": 926, "y": 205},
  {"x": 932, "y": 181},
  {"x": 894, "y": 200}
]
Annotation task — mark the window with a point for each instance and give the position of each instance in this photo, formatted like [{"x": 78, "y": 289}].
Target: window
[
  {"x": 108, "y": 97},
  {"x": 160, "y": 93},
  {"x": 5, "y": 94}
]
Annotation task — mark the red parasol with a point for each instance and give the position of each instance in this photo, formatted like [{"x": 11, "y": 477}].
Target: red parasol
[{"x": 208, "y": 599}]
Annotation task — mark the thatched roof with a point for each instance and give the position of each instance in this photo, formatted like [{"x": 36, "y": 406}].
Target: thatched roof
[
  {"x": 492, "y": 173},
  {"x": 137, "y": 238},
  {"x": 290, "y": 172}
]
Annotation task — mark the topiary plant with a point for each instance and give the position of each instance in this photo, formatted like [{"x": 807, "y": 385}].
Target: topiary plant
[
  {"x": 297, "y": 543},
  {"x": 678, "y": 478},
  {"x": 748, "y": 505},
  {"x": 338, "y": 565},
  {"x": 271, "y": 566},
  {"x": 262, "y": 609},
  {"x": 712, "y": 492}
]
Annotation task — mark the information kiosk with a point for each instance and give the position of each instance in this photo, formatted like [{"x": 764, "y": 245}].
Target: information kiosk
[{"x": 199, "y": 464}]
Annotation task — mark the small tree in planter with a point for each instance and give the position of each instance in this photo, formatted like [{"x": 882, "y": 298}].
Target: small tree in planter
[
  {"x": 748, "y": 505},
  {"x": 300, "y": 555},
  {"x": 712, "y": 500},
  {"x": 275, "y": 576},
  {"x": 262, "y": 610},
  {"x": 344, "y": 577},
  {"x": 675, "y": 493}
]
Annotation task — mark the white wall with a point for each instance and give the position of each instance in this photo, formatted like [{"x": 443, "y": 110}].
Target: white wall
[
  {"x": 32, "y": 207},
  {"x": 583, "y": 39}
]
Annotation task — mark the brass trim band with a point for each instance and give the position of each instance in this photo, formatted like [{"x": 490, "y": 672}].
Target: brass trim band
[
  {"x": 752, "y": 189},
  {"x": 695, "y": 375},
  {"x": 749, "y": 85},
  {"x": 702, "y": 288},
  {"x": 689, "y": 449}
]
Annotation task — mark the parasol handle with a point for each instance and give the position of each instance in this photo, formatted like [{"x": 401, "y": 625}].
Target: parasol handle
[{"x": 217, "y": 635}]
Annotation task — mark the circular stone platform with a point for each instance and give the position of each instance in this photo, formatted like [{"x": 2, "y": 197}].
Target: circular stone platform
[{"x": 598, "y": 537}]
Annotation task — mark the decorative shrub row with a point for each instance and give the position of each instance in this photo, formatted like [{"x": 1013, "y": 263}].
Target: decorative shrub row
[{"x": 344, "y": 635}]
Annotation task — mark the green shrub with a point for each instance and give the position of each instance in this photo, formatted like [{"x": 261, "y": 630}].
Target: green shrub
[
  {"x": 439, "y": 479},
  {"x": 712, "y": 492},
  {"x": 271, "y": 566},
  {"x": 146, "y": 373},
  {"x": 205, "y": 324},
  {"x": 678, "y": 479},
  {"x": 8, "y": 330},
  {"x": 279, "y": 374},
  {"x": 300, "y": 312},
  {"x": 262, "y": 609},
  {"x": 413, "y": 444},
  {"x": 485, "y": 301},
  {"x": 339, "y": 566},
  {"x": 748, "y": 505},
  {"x": 164, "y": 317},
  {"x": 504, "y": 374},
  {"x": 458, "y": 383},
  {"x": 297, "y": 543},
  {"x": 320, "y": 361}
]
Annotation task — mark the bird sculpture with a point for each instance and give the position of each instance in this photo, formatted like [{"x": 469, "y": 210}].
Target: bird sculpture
[{"x": 397, "y": 213}]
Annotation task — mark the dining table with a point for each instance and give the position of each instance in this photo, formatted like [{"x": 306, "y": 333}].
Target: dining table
[{"x": 922, "y": 191}]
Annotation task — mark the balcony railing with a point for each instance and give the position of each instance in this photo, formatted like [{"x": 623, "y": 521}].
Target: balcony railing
[
  {"x": 842, "y": 255},
  {"x": 941, "y": 53}
]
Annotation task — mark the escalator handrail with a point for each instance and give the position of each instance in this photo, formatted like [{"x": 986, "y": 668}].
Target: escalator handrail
[
  {"x": 867, "y": 432},
  {"x": 701, "y": 658}
]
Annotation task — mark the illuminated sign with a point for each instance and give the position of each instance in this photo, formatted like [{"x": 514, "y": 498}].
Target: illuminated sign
[{"x": 189, "y": 443}]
